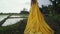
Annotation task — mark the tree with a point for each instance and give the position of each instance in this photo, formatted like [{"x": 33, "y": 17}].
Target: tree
[
  {"x": 45, "y": 10},
  {"x": 56, "y": 6},
  {"x": 24, "y": 11}
]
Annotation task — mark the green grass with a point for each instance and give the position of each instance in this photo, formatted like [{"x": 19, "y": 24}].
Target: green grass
[
  {"x": 56, "y": 17},
  {"x": 17, "y": 28},
  {"x": 54, "y": 23}
]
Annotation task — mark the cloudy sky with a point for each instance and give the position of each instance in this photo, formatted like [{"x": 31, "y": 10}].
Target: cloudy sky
[{"x": 15, "y": 6}]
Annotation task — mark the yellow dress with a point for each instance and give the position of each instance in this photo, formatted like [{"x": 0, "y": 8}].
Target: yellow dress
[{"x": 36, "y": 23}]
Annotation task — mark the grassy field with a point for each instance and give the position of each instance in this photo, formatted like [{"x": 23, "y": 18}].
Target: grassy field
[{"x": 18, "y": 28}]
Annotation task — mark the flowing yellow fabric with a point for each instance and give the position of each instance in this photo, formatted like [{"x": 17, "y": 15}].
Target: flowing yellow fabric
[{"x": 36, "y": 23}]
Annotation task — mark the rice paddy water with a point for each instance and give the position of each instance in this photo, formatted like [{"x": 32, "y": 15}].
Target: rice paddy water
[{"x": 10, "y": 20}]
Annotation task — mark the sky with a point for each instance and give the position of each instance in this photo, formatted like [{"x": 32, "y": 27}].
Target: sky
[{"x": 16, "y": 6}]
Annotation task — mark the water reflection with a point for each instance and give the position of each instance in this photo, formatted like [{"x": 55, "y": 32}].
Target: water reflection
[
  {"x": 2, "y": 17},
  {"x": 15, "y": 16},
  {"x": 11, "y": 21}
]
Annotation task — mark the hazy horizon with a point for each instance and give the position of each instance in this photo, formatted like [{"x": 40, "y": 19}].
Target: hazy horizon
[{"x": 15, "y": 6}]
